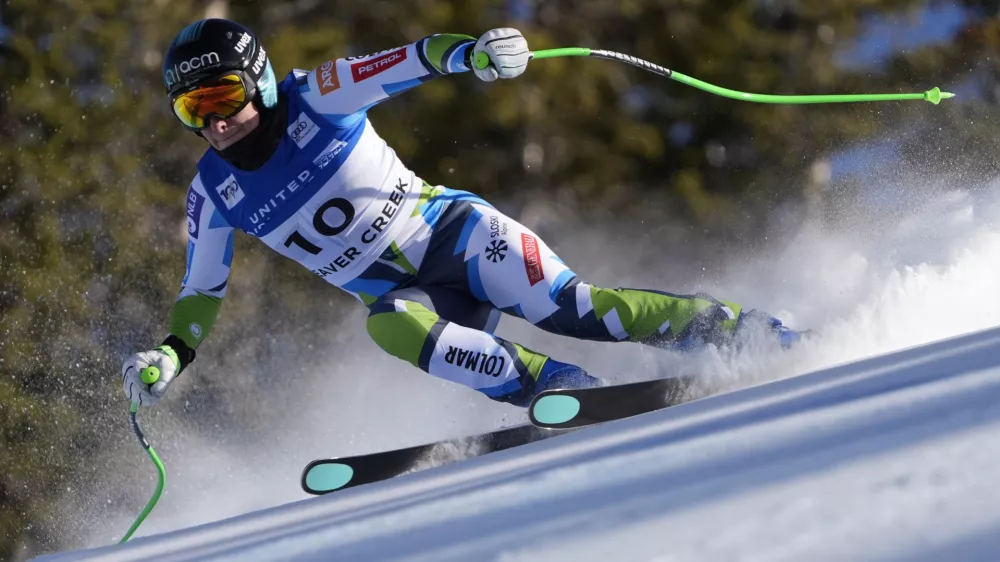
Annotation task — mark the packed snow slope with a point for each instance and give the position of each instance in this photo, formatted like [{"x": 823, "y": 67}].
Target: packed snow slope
[{"x": 889, "y": 458}]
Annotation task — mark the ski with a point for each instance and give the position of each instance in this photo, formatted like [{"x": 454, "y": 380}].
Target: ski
[
  {"x": 323, "y": 476},
  {"x": 566, "y": 408}
]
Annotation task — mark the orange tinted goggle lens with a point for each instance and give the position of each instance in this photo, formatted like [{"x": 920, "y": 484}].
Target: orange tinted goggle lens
[{"x": 223, "y": 97}]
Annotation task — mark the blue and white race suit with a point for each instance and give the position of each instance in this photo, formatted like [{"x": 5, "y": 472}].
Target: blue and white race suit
[{"x": 434, "y": 265}]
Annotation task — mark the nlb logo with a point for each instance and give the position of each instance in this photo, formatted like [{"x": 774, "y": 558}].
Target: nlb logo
[
  {"x": 194, "y": 204},
  {"x": 176, "y": 74}
]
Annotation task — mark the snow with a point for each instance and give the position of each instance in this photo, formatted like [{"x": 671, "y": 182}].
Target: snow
[
  {"x": 892, "y": 457},
  {"x": 874, "y": 440}
]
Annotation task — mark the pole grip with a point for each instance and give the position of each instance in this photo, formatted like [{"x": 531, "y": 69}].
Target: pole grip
[{"x": 150, "y": 374}]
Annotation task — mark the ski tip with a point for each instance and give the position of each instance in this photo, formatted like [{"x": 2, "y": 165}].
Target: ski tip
[
  {"x": 324, "y": 476},
  {"x": 554, "y": 410}
]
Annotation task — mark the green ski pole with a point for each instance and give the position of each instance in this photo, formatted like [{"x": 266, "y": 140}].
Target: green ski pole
[
  {"x": 149, "y": 376},
  {"x": 933, "y": 95}
]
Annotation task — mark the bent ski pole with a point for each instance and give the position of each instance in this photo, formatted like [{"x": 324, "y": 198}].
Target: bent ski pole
[
  {"x": 934, "y": 95},
  {"x": 149, "y": 376}
]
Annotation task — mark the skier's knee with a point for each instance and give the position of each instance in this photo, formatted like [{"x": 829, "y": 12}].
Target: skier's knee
[{"x": 401, "y": 328}]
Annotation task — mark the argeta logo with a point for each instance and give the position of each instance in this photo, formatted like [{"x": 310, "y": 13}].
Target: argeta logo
[
  {"x": 496, "y": 250},
  {"x": 327, "y": 78},
  {"x": 302, "y": 130},
  {"x": 367, "y": 68},
  {"x": 532, "y": 261},
  {"x": 195, "y": 330},
  {"x": 229, "y": 191},
  {"x": 175, "y": 74}
]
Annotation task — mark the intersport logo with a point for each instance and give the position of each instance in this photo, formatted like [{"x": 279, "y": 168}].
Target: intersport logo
[
  {"x": 367, "y": 68},
  {"x": 176, "y": 74},
  {"x": 532, "y": 261}
]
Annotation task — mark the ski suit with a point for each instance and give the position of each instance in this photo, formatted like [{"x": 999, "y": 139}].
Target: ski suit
[{"x": 435, "y": 266}]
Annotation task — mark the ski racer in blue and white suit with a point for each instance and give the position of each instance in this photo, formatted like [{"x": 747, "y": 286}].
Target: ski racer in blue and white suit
[{"x": 434, "y": 265}]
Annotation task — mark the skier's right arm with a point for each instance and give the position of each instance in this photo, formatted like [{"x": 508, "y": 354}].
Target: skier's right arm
[
  {"x": 209, "y": 256},
  {"x": 344, "y": 89}
]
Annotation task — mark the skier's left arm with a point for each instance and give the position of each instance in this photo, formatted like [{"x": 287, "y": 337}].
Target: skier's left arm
[{"x": 344, "y": 87}]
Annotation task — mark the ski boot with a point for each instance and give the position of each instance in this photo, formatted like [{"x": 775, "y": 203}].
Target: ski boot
[
  {"x": 751, "y": 319},
  {"x": 555, "y": 374},
  {"x": 563, "y": 375},
  {"x": 706, "y": 330}
]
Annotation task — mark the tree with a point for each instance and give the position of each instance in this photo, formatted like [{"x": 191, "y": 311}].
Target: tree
[{"x": 93, "y": 169}]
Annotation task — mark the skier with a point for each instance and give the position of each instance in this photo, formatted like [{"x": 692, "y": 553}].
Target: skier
[{"x": 298, "y": 165}]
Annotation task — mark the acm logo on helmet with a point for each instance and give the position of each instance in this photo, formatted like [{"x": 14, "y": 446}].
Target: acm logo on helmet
[{"x": 179, "y": 70}]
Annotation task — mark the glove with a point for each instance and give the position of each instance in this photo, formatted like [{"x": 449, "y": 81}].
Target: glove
[
  {"x": 162, "y": 360},
  {"x": 505, "y": 49}
]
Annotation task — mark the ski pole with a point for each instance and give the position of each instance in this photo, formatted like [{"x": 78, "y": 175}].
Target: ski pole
[
  {"x": 934, "y": 95},
  {"x": 149, "y": 376}
]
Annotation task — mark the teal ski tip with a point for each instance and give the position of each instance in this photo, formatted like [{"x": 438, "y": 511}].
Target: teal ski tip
[
  {"x": 555, "y": 409},
  {"x": 327, "y": 477}
]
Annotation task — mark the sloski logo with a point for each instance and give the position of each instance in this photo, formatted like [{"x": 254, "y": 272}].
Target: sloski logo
[
  {"x": 194, "y": 203},
  {"x": 366, "y": 69},
  {"x": 302, "y": 130},
  {"x": 230, "y": 192},
  {"x": 532, "y": 261},
  {"x": 327, "y": 78},
  {"x": 496, "y": 250}
]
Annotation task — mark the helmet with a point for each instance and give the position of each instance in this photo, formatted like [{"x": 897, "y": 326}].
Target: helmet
[{"x": 213, "y": 47}]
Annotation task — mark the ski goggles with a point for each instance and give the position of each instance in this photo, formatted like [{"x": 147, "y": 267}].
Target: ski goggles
[{"x": 223, "y": 97}]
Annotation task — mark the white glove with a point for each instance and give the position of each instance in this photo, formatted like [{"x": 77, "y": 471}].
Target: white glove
[
  {"x": 507, "y": 52},
  {"x": 162, "y": 360}
]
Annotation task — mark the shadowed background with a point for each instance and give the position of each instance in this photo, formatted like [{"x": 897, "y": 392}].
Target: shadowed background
[{"x": 633, "y": 178}]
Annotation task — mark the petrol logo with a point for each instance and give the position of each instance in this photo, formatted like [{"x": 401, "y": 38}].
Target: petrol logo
[{"x": 367, "y": 68}]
